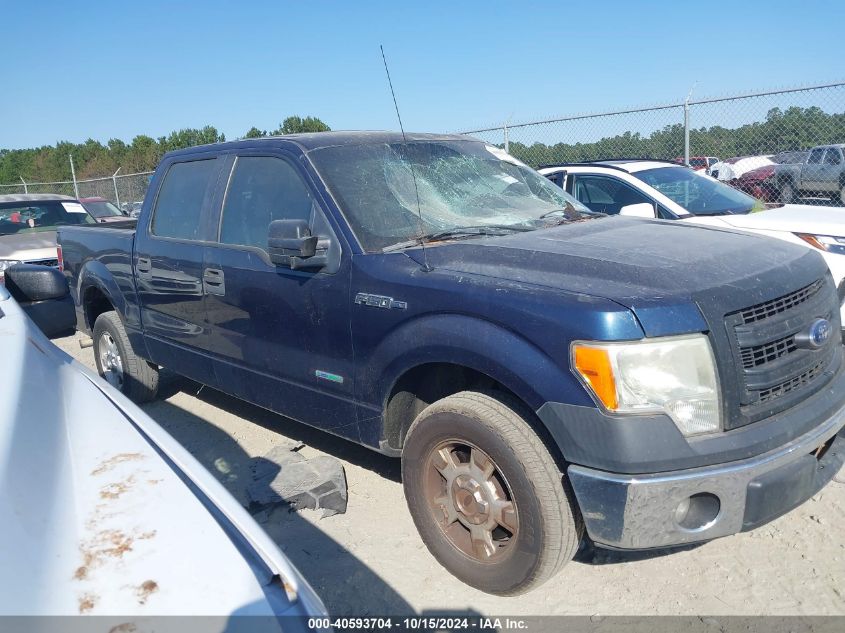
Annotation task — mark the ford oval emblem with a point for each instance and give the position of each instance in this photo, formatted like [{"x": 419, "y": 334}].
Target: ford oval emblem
[{"x": 816, "y": 335}]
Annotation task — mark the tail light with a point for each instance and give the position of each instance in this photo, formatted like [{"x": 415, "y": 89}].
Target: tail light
[{"x": 60, "y": 258}]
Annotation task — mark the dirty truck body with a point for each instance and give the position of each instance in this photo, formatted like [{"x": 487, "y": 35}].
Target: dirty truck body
[{"x": 541, "y": 369}]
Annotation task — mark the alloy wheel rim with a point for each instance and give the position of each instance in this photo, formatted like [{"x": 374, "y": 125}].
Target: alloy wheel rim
[
  {"x": 110, "y": 360},
  {"x": 471, "y": 501}
]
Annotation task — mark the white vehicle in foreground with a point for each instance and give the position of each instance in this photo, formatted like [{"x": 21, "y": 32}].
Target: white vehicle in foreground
[
  {"x": 102, "y": 512},
  {"x": 663, "y": 190}
]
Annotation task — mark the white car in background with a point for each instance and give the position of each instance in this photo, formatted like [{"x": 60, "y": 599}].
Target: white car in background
[
  {"x": 102, "y": 512},
  {"x": 664, "y": 190}
]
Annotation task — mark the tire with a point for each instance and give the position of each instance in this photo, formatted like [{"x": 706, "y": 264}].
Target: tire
[
  {"x": 787, "y": 193},
  {"x": 118, "y": 364},
  {"x": 842, "y": 193},
  {"x": 532, "y": 519}
]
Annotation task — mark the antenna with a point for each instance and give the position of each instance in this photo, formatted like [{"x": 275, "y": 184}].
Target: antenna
[{"x": 425, "y": 266}]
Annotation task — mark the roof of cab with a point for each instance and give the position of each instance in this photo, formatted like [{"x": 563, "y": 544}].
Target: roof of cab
[
  {"x": 318, "y": 140},
  {"x": 34, "y": 197}
]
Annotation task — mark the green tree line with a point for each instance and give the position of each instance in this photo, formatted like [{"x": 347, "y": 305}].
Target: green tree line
[
  {"x": 793, "y": 129},
  {"x": 93, "y": 159}
]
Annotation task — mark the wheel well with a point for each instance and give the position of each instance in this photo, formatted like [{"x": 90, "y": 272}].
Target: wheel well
[
  {"x": 422, "y": 385},
  {"x": 94, "y": 303}
]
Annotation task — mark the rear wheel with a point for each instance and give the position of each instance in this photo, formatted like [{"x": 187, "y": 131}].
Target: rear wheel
[
  {"x": 486, "y": 495},
  {"x": 118, "y": 364}
]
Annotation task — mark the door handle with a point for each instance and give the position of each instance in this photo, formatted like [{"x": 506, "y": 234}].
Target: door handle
[
  {"x": 144, "y": 266},
  {"x": 213, "y": 281}
]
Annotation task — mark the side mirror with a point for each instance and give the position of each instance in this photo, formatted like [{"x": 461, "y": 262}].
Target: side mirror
[
  {"x": 290, "y": 243},
  {"x": 639, "y": 210},
  {"x": 44, "y": 295}
]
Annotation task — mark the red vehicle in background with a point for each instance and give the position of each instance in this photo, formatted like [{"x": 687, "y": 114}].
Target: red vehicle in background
[{"x": 760, "y": 182}]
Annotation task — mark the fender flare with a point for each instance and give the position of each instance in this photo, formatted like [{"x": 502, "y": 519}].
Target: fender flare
[
  {"x": 94, "y": 274},
  {"x": 481, "y": 345}
]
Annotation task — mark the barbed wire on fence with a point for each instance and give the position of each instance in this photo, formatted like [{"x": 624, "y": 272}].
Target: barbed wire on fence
[{"x": 755, "y": 123}]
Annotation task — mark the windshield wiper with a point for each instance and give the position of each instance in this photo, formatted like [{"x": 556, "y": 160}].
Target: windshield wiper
[
  {"x": 462, "y": 233},
  {"x": 571, "y": 214}
]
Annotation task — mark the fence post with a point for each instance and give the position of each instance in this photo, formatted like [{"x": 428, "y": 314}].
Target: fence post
[
  {"x": 73, "y": 175},
  {"x": 507, "y": 142},
  {"x": 25, "y": 188},
  {"x": 114, "y": 182},
  {"x": 686, "y": 125}
]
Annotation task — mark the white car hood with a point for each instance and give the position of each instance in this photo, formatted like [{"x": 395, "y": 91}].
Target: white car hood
[
  {"x": 94, "y": 516},
  {"x": 794, "y": 218},
  {"x": 729, "y": 171}
]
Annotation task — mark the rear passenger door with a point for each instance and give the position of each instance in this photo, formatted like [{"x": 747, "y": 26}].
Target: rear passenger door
[
  {"x": 168, "y": 266},
  {"x": 281, "y": 337},
  {"x": 830, "y": 170}
]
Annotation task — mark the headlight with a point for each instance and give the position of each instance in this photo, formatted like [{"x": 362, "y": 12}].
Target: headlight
[
  {"x": 675, "y": 375},
  {"x": 6, "y": 263},
  {"x": 827, "y": 243}
]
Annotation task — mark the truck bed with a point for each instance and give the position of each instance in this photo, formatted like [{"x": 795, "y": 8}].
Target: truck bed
[{"x": 105, "y": 251}]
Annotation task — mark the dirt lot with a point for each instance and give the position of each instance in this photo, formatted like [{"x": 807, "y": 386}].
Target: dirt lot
[{"x": 370, "y": 560}]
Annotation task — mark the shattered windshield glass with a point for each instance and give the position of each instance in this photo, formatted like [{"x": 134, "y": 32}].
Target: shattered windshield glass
[{"x": 397, "y": 194}]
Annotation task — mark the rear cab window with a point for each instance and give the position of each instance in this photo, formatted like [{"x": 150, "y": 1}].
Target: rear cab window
[
  {"x": 179, "y": 206},
  {"x": 816, "y": 156}
]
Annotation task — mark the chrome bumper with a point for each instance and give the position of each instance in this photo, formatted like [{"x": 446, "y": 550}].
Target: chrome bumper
[{"x": 674, "y": 508}]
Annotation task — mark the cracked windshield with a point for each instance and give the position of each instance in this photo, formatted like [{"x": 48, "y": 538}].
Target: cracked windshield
[{"x": 401, "y": 194}]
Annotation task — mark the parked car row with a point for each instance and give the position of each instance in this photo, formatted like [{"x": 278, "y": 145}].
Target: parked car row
[
  {"x": 788, "y": 176},
  {"x": 544, "y": 366}
]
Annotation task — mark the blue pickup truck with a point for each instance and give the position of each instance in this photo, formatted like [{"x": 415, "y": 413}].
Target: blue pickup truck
[{"x": 540, "y": 369}]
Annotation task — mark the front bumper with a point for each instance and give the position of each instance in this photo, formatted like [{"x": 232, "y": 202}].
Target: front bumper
[{"x": 648, "y": 511}]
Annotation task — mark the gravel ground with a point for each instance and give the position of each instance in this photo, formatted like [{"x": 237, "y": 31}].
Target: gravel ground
[{"x": 370, "y": 561}]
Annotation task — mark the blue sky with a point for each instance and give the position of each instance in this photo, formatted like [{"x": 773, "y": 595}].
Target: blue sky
[{"x": 71, "y": 71}]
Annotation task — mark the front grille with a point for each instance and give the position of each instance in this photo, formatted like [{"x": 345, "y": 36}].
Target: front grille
[
  {"x": 776, "y": 306},
  {"x": 777, "y": 371},
  {"x": 767, "y": 352},
  {"x": 45, "y": 262},
  {"x": 793, "y": 383}
]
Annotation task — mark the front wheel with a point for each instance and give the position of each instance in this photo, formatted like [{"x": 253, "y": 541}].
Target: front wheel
[
  {"x": 486, "y": 496},
  {"x": 118, "y": 364},
  {"x": 787, "y": 193}
]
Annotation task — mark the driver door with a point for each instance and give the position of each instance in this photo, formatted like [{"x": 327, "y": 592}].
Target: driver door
[{"x": 281, "y": 337}]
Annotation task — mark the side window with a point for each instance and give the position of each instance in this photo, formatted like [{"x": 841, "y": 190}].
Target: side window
[
  {"x": 178, "y": 209},
  {"x": 832, "y": 157},
  {"x": 607, "y": 195},
  {"x": 262, "y": 189},
  {"x": 815, "y": 156},
  {"x": 557, "y": 178}
]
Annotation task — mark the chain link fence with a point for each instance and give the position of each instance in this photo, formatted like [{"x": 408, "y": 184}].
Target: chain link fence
[
  {"x": 762, "y": 123},
  {"x": 127, "y": 191},
  {"x": 720, "y": 129}
]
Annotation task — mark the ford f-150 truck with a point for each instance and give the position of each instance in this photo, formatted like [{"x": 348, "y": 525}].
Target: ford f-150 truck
[
  {"x": 540, "y": 368},
  {"x": 821, "y": 174}
]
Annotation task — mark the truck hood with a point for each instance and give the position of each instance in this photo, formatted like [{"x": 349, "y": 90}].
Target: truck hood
[
  {"x": 28, "y": 246},
  {"x": 644, "y": 265},
  {"x": 102, "y": 512}
]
